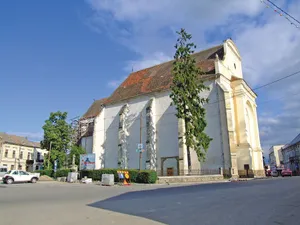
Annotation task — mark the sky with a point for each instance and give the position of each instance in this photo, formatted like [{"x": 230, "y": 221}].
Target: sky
[{"x": 61, "y": 55}]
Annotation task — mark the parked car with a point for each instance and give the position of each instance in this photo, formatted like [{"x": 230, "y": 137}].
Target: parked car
[
  {"x": 268, "y": 173},
  {"x": 19, "y": 176},
  {"x": 286, "y": 172},
  {"x": 274, "y": 173}
]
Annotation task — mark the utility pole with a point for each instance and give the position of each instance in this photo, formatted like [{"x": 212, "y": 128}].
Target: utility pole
[
  {"x": 140, "y": 150},
  {"x": 1, "y": 149},
  {"x": 49, "y": 155},
  {"x": 19, "y": 157}
]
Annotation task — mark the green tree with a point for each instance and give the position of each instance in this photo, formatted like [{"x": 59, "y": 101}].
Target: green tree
[
  {"x": 186, "y": 96},
  {"x": 77, "y": 151},
  {"x": 57, "y": 136}
]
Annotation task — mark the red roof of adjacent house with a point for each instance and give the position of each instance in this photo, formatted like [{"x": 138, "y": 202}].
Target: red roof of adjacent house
[
  {"x": 94, "y": 109},
  {"x": 159, "y": 77},
  {"x": 17, "y": 140}
]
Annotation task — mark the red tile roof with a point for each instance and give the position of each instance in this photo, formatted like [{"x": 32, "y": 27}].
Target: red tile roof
[
  {"x": 94, "y": 109},
  {"x": 159, "y": 77},
  {"x": 153, "y": 79}
]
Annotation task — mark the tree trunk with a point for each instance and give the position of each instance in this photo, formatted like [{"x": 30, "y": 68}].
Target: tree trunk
[{"x": 188, "y": 151}]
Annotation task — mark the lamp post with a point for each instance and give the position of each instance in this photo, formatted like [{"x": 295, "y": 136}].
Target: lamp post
[
  {"x": 49, "y": 155},
  {"x": 1, "y": 147}
]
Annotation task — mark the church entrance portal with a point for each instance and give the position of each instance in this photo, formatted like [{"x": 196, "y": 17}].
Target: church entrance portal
[{"x": 170, "y": 166}]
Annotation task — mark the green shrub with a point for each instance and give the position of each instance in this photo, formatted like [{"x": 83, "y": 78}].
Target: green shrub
[
  {"x": 50, "y": 173},
  {"x": 45, "y": 172},
  {"x": 133, "y": 174},
  {"x": 146, "y": 177},
  {"x": 97, "y": 174},
  {"x": 136, "y": 176},
  {"x": 63, "y": 172}
]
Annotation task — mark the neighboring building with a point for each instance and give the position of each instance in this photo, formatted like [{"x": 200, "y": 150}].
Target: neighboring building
[
  {"x": 291, "y": 154},
  {"x": 86, "y": 125},
  {"x": 19, "y": 153},
  {"x": 40, "y": 155},
  {"x": 140, "y": 108},
  {"x": 275, "y": 156}
]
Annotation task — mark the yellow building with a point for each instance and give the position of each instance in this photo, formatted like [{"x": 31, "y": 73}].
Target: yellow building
[{"x": 20, "y": 153}]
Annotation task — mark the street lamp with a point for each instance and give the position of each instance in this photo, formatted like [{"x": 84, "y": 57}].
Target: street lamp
[
  {"x": 49, "y": 155},
  {"x": 1, "y": 149}
]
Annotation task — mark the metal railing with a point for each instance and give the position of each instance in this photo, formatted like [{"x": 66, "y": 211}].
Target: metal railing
[{"x": 197, "y": 172}]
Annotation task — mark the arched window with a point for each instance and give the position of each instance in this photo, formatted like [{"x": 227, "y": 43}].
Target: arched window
[
  {"x": 123, "y": 134},
  {"x": 150, "y": 139},
  {"x": 250, "y": 125}
]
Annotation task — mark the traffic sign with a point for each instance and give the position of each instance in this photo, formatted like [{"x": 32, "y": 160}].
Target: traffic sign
[
  {"x": 140, "y": 146},
  {"x": 140, "y": 150}
]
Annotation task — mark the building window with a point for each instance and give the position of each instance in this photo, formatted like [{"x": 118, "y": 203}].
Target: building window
[
  {"x": 122, "y": 116},
  {"x": 20, "y": 167},
  {"x": 38, "y": 156},
  {"x": 121, "y": 121},
  {"x": 28, "y": 156},
  {"x": 119, "y": 155},
  {"x": 3, "y": 170},
  {"x": 21, "y": 155},
  {"x": 14, "y": 154},
  {"x": 12, "y": 167},
  {"x": 37, "y": 168},
  {"x": 6, "y": 153}
]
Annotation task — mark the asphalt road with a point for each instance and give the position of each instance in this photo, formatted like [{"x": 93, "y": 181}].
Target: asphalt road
[{"x": 273, "y": 201}]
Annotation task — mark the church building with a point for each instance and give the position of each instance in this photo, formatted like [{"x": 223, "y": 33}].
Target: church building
[{"x": 139, "y": 111}]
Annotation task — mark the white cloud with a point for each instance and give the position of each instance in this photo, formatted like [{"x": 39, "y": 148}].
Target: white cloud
[
  {"x": 147, "y": 61},
  {"x": 136, "y": 65},
  {"x": 115, "y": 83},
  {"x": 268, "y": 120},
  {"x": 268, "y": 43}
]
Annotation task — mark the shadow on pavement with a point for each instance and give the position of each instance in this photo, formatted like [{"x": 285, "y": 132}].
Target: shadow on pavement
[{"x": 159, "y": 204}]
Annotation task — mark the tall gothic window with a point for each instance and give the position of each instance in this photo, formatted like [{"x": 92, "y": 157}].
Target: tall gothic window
[
  {"x": 123, "y": 134},
  {"x": 151, "y": 137},
  {"x": 148, "y": 123},
  {"x": 250, "y": 130}
]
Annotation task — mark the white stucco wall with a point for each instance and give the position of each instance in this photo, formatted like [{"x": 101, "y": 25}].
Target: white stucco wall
[
  {"x": 107, "y": 127},
  {"x": 166, "y": 128},
  {"x": 276, "y": 155},
  {"x": 214, "y": 157},
  {"x": 99, "y": 137},
  {"x": 224, "y": 129}
]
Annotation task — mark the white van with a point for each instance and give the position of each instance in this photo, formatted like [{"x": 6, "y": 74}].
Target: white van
[{"x": 3, "y": 170}]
